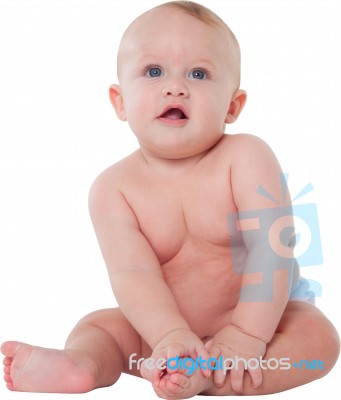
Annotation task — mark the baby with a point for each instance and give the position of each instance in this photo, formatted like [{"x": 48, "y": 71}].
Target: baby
[{"x": 195, "y": 282}]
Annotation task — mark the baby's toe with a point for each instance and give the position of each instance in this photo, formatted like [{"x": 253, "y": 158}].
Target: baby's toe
[
  {"x": 181, "y": 380},
  {"x": 169, "y": 389},
  {"x": 7, "y": 369},
  {"x": 7, "y": 360}
]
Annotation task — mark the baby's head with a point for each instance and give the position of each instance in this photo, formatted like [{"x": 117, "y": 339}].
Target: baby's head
[
  {"x": 178, "y": 66},
  {"x": 199, "y": 12}
]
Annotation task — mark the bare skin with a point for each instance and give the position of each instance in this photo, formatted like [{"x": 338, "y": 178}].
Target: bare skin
[
  {"x": 160, "y": 216},
  {"x": 98, "y": 349},
  {"x": 88, "y": 368}
]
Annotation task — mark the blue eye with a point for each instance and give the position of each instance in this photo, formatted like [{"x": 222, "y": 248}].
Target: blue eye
[
  {"x": 198, "y": 74},
  {"x": 154, "y": 72}
]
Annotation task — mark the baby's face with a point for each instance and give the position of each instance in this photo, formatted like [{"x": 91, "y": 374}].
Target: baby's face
[{"x": 176, "y": 83}]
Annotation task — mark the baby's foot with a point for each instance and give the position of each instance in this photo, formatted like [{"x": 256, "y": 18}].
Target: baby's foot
[
  {"x": 180, "y": 386},
  {"x": 36, "y": 369}
]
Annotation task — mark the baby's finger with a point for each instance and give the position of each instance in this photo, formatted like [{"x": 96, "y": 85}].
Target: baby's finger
[
  {"x": 256, "y": 377},
  {"x": 152, "y": 370},
  {"x": 173, "y": 355},
  {"x": 203, "y": 355},
  {"x": 237, "y": 375},
  {"x": 219, "y": 377},
  {"x": 215, "y": 350},
  {"x": 208, "y": 345}
]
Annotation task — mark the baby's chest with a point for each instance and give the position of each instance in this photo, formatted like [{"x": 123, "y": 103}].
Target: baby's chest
[{"x": 199, "y": 212}]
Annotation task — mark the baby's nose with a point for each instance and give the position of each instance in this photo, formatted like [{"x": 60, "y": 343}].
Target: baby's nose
[{"x": 175, "y": 89}]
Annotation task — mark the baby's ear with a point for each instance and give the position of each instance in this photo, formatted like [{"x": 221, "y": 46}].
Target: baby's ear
[
  {"x": 237, "y": 104},
  {"x": 117, "y": 101}
]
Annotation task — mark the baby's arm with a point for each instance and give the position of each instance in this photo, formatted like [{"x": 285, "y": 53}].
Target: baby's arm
[
  {"x": 265, "y": 283},
  {"x": 136, "y": 276}
]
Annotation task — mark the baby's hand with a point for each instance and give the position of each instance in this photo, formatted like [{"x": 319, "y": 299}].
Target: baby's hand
[
  {"x": 179, "y": 343},
  {"x": 231, "y": 342}
]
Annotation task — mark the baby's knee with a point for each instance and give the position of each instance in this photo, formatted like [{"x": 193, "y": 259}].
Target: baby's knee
[
  {"x": 324, "y": 341},
  {"x": 102, "y": 318},
  {"x": 329, "y": 344}
]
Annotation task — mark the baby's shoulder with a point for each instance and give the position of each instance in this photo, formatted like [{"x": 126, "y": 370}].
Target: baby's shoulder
[
  {"x": 241, "y": 146},
  {"x": 244, "y": 141},
  {"x": 115, "y": 177}
]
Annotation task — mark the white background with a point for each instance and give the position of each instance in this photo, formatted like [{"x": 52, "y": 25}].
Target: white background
[{"x": 58, "y": 132}]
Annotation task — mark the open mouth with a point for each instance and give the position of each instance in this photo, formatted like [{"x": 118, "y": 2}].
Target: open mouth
[{"x": 174, "y": 114}]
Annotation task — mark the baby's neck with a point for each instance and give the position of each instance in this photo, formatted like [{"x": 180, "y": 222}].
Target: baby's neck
[{"x": 170, "y": 166}]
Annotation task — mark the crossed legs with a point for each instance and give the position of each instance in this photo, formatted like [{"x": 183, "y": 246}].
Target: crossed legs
[{"x": 97, "y": 351}]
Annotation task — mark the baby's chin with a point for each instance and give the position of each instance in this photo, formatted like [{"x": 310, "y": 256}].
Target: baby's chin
[{"x": 179, "y": 150}]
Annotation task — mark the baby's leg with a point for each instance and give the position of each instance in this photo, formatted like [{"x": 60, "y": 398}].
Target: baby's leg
[
  {"x": 95, "y": 354},
  {"x": 304, "y": 333}
]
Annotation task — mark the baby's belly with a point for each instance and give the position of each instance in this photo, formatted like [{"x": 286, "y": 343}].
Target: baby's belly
[{"x": 205, "y": 286}]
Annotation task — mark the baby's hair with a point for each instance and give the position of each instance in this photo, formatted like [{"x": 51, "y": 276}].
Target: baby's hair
[{"x": 198, "y": 11}]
